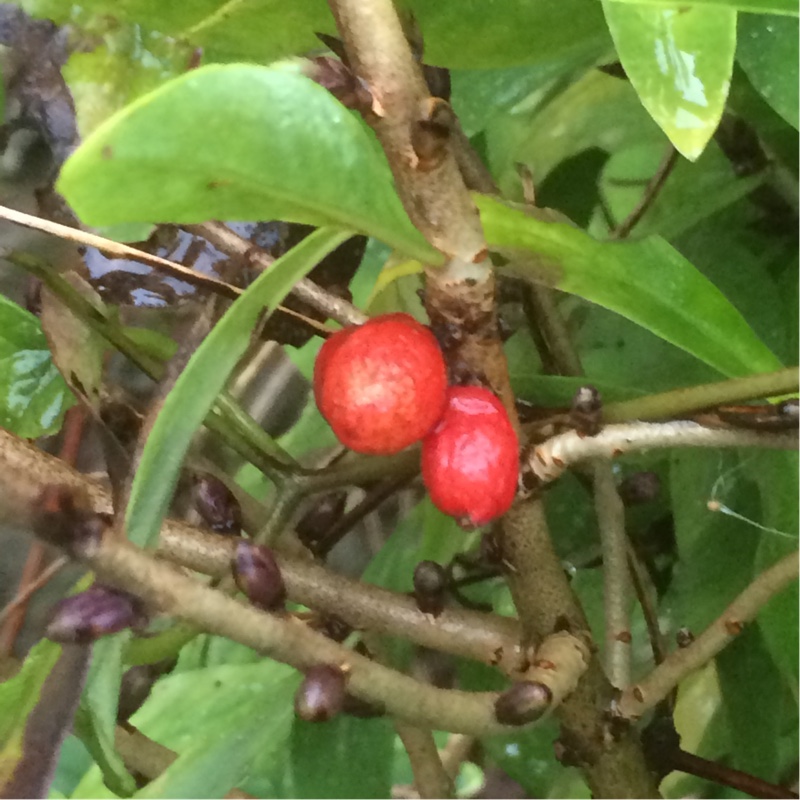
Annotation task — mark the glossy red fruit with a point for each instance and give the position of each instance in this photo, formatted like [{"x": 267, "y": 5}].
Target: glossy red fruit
[
  {"x": 381, "y": 386},
  {"x": 470, "y": 460}
]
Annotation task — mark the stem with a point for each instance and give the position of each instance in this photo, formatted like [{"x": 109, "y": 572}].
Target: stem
[
  {"x": 666, "y": 676},
  {"x": 548, "y": 461},
  {"x": 547, "y": 603},
  {"x": 430, "y": 777},
  {"x": 616, "y": 576},
  {"x": 165, "y": 590},
  {"x": 230, "y": 243},
  {"x": 681, "y": 402},
  {"x": 651, "y": 191}
]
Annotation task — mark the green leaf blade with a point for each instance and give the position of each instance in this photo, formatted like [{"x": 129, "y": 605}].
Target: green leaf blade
[
  {"x": 680, "y": 61},
  {"x": 298, "y": 155},
  {"x": 648, "y": 282},
  {"x": 768, "y": 52},
  {"x": 204, "y": 377},
  {"x": 33, "y": 395}
]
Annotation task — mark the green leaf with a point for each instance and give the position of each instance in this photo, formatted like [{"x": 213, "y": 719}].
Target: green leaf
[
  {"x": 468, "y": 34},
  {"x": 33, "y": 395},
  {"x": 357, "y": 758},
  {"x": 646, "y": 281},
  {"x": 743, "y": 665},
  {"x": 760, "y": 6},
  {"x": 767, "y": 51},
  {"x": 96, "y": 719},
  {"x": 298, "y": 154},
  {"x": 229, "y": 725},
  {"x": 679, "y": 60},
  {"x": 202, "y": 380}
]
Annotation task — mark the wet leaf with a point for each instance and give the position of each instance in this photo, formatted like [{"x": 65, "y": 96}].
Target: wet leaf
[
  {"x": 680, "y": 61},
  {"x": 33, "y": 396},
  {"x": 767, "y": 51},
  {"x": 298, "y": 155},
  {"x": 202, "y": 380},
  {"x": 646, "y": 281}
]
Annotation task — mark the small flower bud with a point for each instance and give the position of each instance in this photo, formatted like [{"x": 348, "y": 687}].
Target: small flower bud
[
  {"x": 524, "y": 702},
  {"x": 65, "y": 519},
  {"x": 99, "y": 611},
  {"x": 318, "y": 520},
  {"x": 321, "y": 695},
  {"x": 257, "y": 575},
  {"x": 586, "y": 411},
  {"x": 430, "y": 585},
  {"x": 217, "y": 505}
]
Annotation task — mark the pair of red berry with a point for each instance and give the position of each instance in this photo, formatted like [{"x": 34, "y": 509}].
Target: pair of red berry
[{"x": 383, "y": 386}]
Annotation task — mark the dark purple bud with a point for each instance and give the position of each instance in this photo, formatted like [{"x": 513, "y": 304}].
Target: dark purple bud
[
  {"x": 321, "y": 695},
  {"x": 524, "y": 702},
  {"x": 217, "y": 505},
  {"x": 257, "y": 575},
  {"x": 586, "y": 411},
  {"x": 430, "y": 586},
  {"x": 317, "y": 521},
  {"x": 639, "y": 488},
  {"x": 332, "y": 627},
  {"x": 65, "y": 519},
  {"x": 438, "y": 80},
  {"x": 99, "y": 611}
]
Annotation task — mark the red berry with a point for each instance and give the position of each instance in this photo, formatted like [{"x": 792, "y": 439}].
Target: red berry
[
  {"x": 470, "y": 460},
  {"x": 381, "y": 386}
]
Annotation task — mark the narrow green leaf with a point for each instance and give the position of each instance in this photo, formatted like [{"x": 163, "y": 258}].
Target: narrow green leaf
[
  {"x": 788, "y": 7},
  {"x": 97, "y": 714},
  {"x": 202, "y": 380},
  {"x": 680, "y": 61},
  {"x": 33, "y": 395},
  {"x": 298, "y": 154},
  {"x": 646, "y": 281},
  {"x": 767, "y": 51}
]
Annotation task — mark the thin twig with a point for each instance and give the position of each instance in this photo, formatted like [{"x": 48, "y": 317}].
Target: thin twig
[
  {"x": 13, "y": 615},
  {"x": 230, "y": 243},
  {"x": 616, "y": 577},
  {"x": 430, "y": 777},
  {"x": 680, "y": 402},
  {"x": 548, "y": 461},
  {"x": 165, "y": 590},
  {"x": 649, "y": 691},
  {"x": 118, "y": 250},
  {"x": 724, "y": 775},
  {"x": 651, "y": 191},
  {"x": 646, "y": 596},
  {"x": 32, "y": 587}
]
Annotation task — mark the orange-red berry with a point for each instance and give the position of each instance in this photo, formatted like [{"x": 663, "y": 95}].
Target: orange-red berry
[
  {"x": 381, "y": 386},
  {"x": 470, "y": 460}
]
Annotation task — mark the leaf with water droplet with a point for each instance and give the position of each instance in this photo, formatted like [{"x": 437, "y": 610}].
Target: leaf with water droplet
[
  {"x": 679, "y": 61},
  {"x": 33, "y": 396},
  {"x": 767, "y": 52}
]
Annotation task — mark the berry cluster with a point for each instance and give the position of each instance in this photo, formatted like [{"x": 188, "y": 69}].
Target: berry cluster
[{"x": 383, "y": 386}]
